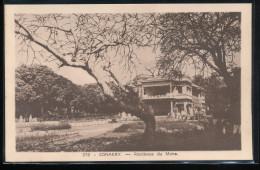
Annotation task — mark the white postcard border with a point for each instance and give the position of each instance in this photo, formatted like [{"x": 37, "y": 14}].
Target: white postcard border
[{"x": 246, "y": 79}]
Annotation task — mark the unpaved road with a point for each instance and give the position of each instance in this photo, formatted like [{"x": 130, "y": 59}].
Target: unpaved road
[
  {"x": 76, "y": 133},
  {"x": 86, "y": 132},
  {"x": 96, "y": 130}
]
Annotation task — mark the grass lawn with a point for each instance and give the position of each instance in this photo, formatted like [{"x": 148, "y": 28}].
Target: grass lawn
[
  {"x": 170, "y": 136},
  {"x": 173, "y": 136}
]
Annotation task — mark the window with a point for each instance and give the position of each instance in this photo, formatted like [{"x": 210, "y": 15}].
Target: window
[
  {"x": 179, "y": 89},
  {"x": 156, "y": 90},
  {"x": 145, "y": 91},
  {"x": 188, "y": 89}
]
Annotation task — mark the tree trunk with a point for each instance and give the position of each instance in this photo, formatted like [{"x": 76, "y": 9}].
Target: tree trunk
[
  {"x": 143, "y": 111},
  {"x": 147, "y": 115},
  {"x": 233, "y": 91},
  {"x": 68, "y": 109},
  {"x": 150, "y": 127},
  {"x": 42, "y": 113}
]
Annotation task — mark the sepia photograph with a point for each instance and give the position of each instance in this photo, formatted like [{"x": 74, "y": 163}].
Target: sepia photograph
[{"x": 137, "y": 82}]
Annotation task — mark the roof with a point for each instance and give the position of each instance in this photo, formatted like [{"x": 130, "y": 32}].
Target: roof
[
  {"x": 198, "y": 87},
  {"x": 158, "y": 79}
]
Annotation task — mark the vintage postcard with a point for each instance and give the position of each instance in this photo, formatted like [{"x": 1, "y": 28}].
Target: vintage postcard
[{"x": 136, "y": 82}]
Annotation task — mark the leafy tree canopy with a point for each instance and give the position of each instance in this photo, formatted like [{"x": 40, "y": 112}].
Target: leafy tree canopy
[{"x": 38, "y": 87}]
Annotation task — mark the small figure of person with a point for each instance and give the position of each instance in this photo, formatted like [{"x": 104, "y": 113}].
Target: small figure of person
[
  {"x": 196, "y": 114},
  {"x": 175, "y": 111},
  {"x": 178, "y": 115},
  {"x": 183, "y": 114},
  {"x": 203, "y": 115}
]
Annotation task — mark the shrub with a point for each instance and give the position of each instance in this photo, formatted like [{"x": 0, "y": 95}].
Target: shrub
[
  {"x": 45, "y": 127},
  {"x": 32, "y": 143},
  {"x": 130, "y": 127},
  {"x": 122, "y": 128}
]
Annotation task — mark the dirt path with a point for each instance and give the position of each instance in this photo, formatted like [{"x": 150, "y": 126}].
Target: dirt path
[
  {"x": 97, "y": 130},
  {"x": 85, "y": 133}
]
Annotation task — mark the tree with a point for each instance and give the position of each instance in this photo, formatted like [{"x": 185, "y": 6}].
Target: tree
[
  {"x": 91, "y": 100},
  {"x": 39, "y": 90},
  {"x": 94, "y": 43},
  {"x": 23, "y": 95},
  {"x": 42, "y": 93},
  {"x": 209, "y": 42},
  {"x": 215, "y": 91}
]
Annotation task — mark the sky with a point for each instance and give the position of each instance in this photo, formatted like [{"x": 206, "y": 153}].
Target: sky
[
  {"x": 147, "y": 59},
  {"x": 146, "y": 56}
]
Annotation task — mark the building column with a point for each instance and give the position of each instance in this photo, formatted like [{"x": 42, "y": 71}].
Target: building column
[
  {"x": 192, "y": 109},
  {"x": 185, "y": 106},
  {"x": 172, "y": 108},
  {"x": 183, "y": 89}
]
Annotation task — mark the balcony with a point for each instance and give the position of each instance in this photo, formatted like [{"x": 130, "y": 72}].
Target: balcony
[
  {"x": 196, "y": 99},
  {"x": 167, "y": 96}
]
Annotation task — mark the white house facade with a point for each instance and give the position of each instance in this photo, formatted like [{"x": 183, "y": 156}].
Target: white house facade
[{"x": 170, "y": 97}]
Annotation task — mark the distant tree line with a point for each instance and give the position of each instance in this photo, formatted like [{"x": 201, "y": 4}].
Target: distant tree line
[{"x": 44, "y": 94}]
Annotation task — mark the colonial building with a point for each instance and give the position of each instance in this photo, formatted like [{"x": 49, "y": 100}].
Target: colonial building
[{"x": 172, "y": 97}]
